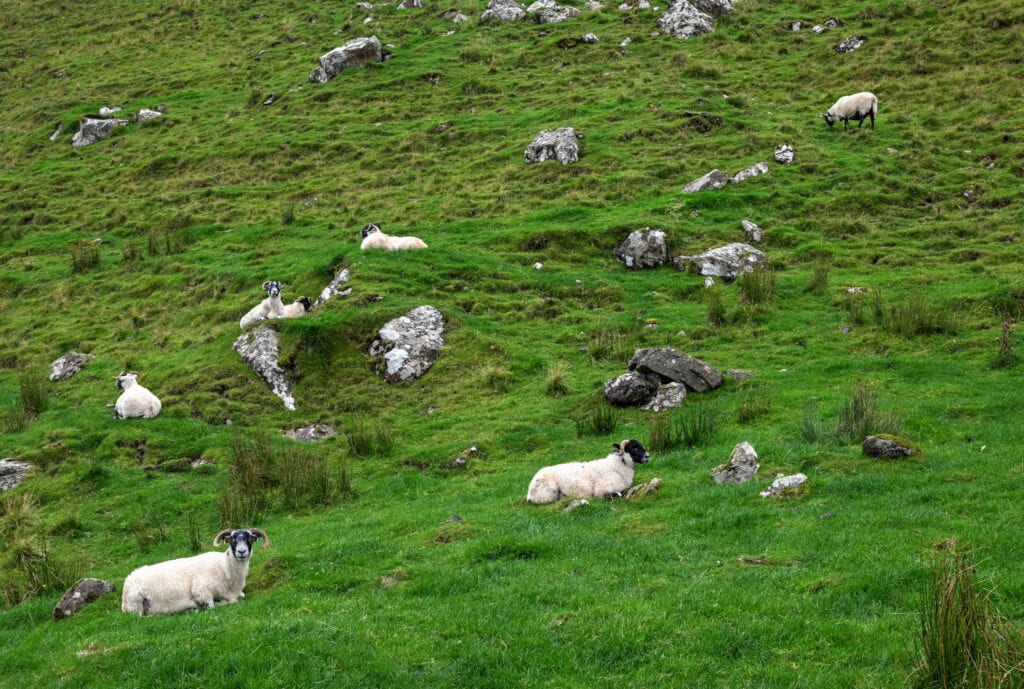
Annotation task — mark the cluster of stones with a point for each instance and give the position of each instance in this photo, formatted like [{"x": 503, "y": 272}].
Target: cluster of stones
[
  {"x": 93, "y": 128},
  {"x": 659, "y": 379}
]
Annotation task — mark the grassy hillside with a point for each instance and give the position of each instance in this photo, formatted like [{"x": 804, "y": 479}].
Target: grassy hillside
[{"x": 145, "y": 249}]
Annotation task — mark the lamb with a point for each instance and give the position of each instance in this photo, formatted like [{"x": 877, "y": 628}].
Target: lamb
[
  {"x": 193, "y": 583},
  {"x": 607, "y": 477},
  {"x": 300, "y": 307},
  {"x": 136, "y": 401},
  {"x": 271, "y": 307},
  {"x": 373, "y": 238},
  {"x": 856, "y": 107}
]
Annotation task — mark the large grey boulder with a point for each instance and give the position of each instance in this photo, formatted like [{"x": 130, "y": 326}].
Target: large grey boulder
[
  {"x": 503, "y": 11},
  {"x": 260, "y": 349},
  {"x": 79, "y": 596},
  {"x": 631, "y": 389},
  {"x": 562, "y": 145},
  {"x": 716, "y": 179},
  {"x": 714, "y": 8},
  {"x": 669, "y": 396},
  {"x": 683, "y": 20},
  {"x": 726, "y": 262},
  {"x": 740, "y": 468},
  {"x": 68, "y": 365},
  {"x": 409, "y": 345},
  {"x": 643, "y": 249},
  {"x": 355, "y": 53},
  {"x": 752, "y": 171},
  {"x": 672, "y": 366},
  {"x": 12, "y": 473},
  {"x": 93, "y": 129}
]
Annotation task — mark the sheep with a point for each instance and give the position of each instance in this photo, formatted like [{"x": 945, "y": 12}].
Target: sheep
[
  {"x": 271, "y": 307},
  {"x": 299, "y": 308},
  {"x": 856, "y": 107},
  {"x": 193, "y": 583},
  {"x": 136, "y": 401},
  {"x": 606, "y": 477},
  {"x": 373, "y": 238}
]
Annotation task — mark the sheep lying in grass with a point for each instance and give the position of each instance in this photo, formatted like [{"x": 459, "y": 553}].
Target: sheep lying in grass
[
  {"x": 271, "y": 307},
  {"x": 373, "y": 238},
  {"x": 858, "y": 107},
  {"x": 136, "y": 401},
  {"x": 193, "y": 583},
  {"x": 300, "y": 307},
  {"x": 606, "y": 477}
]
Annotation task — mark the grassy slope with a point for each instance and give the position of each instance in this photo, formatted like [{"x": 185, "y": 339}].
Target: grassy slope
[{"x": 376, "y": 590}]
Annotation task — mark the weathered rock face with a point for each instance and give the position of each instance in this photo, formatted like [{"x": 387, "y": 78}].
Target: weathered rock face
[
  {"x": 725, "y": 262},
  {"x": 672, "y": 366},
  {"x": 630, "y": 389},
  {"x": 642, "y": 490},
  {"x": 355, "y": 53},
  {"x": 410, "y": 4},
  {"x": 549, "y": 12},
  {"x": 12, "y": 473},
  {"x": 716, "y": 179},
  {"x": 503, "y": 11},
  {"x": 785, "y": 486},
  {"x": 561, "y": 144},
  {"x": 669, "y": 396},
  {"x": 784, "y": 154},
  {"x": 715, "y": 8},
  {"x": 753, "y": 231},
  {"x": 335, "y": 287},
  {"x": 93, "y": 129},
  {"x": 145, "y": 115},
  {"x": 740, "y": 468},
  {"x": 643, "y": 249},
  {"x": 590, "y": 38},
  {"x": 409, "y": 344},
  {"x": 851, "y": 43},
  {"x": 68, "y": 365},
  {"x": 79, "y": 596},
  {"x": 752, "y": 171},
  {"x": 683, "y": 20},
  {"x": 887, "y": 447},
  {"x": 317, "y": 431},
  {"x": 260, "y": 349}
]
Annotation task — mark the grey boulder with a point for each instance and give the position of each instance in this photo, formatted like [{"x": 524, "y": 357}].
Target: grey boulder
[
  {"x": 669, "y": 365},
  {"x": 562, "y": 145},
  {"x": 683, "y": 20},
  {"x": 643, "y": 249},
  {"x": 355, "y": 53},
  {"x": 409, "y": 345},
  {"x": 631, "y": 389},
  {"x": 80, "y": 595},
  {"x": 726, "y": 262}
]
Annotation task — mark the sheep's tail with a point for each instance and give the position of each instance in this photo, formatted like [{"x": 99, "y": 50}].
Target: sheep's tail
[
  {"x": 543, "y": 489},
  {"x": 132, "y": 600},
  {"x": 874, "y": 105}
]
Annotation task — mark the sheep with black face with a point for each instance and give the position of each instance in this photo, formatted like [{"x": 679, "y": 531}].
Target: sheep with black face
[
  {"x": 600, "y": 478},
  {"x": 859, "y": 106},
  {"x": 374, "y": 238},
  {"x": 271, "y": 307},
  {"x": 136, "y": 401}
]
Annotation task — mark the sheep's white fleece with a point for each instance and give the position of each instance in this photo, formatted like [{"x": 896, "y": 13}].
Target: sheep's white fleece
[
  {"x": 271, "y": 307},
  {"x": 297, "y": 309},
  {"x": 597, "y": 478},
  {"x": 379, "y": 240},
  {"x": 187, "y": 583},
  {"x": 136, "y": 401},
  {"x": 857, "y": 106}
]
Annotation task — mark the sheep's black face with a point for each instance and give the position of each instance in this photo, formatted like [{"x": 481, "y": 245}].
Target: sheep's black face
[
  {"x": 120, "y": 380},
  {"x": 273, "y": 288},
  {"x": 829, "y": 120},
  {"x": 241, "y": 542},
  {"x": 636, "y": 451},
  {"x": 307, "y": 303},
  {"x": 369, "y": 229}
]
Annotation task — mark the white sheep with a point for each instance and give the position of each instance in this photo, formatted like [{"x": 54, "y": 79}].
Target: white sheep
[
  {"x": 373, "y": 238},
  {"x": 136, "y": 401},
  {"x": 607, "y": 477},
  {"x": 300, "y": 307},
  {"x": 859, "y": 106},
  {"x": 271, "y": 307},
  {"x": 193, "y": 583}
]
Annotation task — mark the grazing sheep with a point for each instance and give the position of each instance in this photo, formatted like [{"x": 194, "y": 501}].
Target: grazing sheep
[
  {"x": 373, "y": 238},
  {"x": 136, "y": 401},
  {"x": 271, "y": 307},
  {"x": 858, "y": 107},
  {"x": 606, "y": 477},
  {"x": 300, "y": 307},
  {"x": 193, "y": 583}
]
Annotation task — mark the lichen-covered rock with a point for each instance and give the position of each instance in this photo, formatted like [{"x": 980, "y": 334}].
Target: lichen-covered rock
[
  {"x": 630, "y": 389},
  {"x": 642, "y": 490},
  {"x": 317, "y": 431},
  {"x": 12, "y": 473},
  {"x": 590, "y": 39},
  {"x": 93, "y": 129},
  {"x": 561, "y": 144},
  {"x": 884, "y": 446},
  {"x": 784, "y": 154},
  {"x": 555, "y": 15},
  {"x": 851, "y": 43},
  {"x": 753, "y": 231},
  {"x": 726, "y": 262},
  {"x": 714, "y": 8},
  {"x": 740, "y": 468},
  {"x": 643, "y": 249},
  {"x": 260, "y": 349},
  {"x": 669, "y": 365},
  {"x": 409, "y": 345},
  {"x": 503, "y": 11},
  {"x": 68, "y": 365},
  {"x": 785, "y": 486},
  {"x": 354, "y": 53},
  {"x": 669, "y": 396},
  {"x": 410, "y": 4},
  {"x": 752, "y": 171},
  {"x": 683, "y": 20},
  {"x": 79, "y": 596},
  {"x": 334, "y": 287},
  {"x": 716, "y": 179}
]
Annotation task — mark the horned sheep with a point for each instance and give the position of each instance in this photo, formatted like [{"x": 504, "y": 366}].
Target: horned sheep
[
  {"x": 193, "y": 583},
  {"x": 374, "y": 238},
  {"x": 859, "y": 106},
  {"x": 271, "y": 307},
  {"x": 607, "y": 477},
  {"x": 136, "y": 401}
]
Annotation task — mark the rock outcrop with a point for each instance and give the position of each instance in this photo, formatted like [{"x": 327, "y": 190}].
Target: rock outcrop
[
  {"x": 409, "y": 345},
  {"x": 68, "y": 365},
  {"x": 355, "y": 53},
  {"x": 643, "y": 249},
  {"x": 740, "y": 468},
  {"x": 683, "y": 20},
  {"x": 562, "y": 145},
  {"x": 503, "y": 11},
  {"x": 80, "y": 595},
  {"x": 260, "y": 349},
  {"x": 672, "y": 366},
  {"x": 726, "y": 262}
]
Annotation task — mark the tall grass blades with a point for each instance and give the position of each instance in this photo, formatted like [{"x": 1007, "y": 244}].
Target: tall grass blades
[
  {"x": 812, "y": 425},
  {"x": 309, "y": 480},
  {"x": 716, "y": 309},
  {"x": 756, "y": 286},
  {"x": 369, "y": 441},
  {"x": 859, "y": 417},
  {"x": 29, "y": 568},
  {"x": 1006, "y": 357},
  {"x": 756, "y": 399},
  {"x": 555, "y": 385},
  {"x": 917, "y": 315},
  {"x": 33, "y": 400},
  {"x": 818, "y": 282},
  {"x": 599, "y": 418},
  {"x": 245, "y": 495},
  {"x": 85, "y": 255},
  {"x": 687, "y": 427}
]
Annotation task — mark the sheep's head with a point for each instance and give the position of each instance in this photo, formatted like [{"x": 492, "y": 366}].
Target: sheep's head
[
  {"x": 637, "y": 452},
  {"x": 370, "y": 229},
  {"x": 273, "y": 287},
  {"x": 126, "y": 380},
  {"x": 241, "y": 541},
  {"x": 306, "y": 302},
  {"x": 829, "y": 118}
]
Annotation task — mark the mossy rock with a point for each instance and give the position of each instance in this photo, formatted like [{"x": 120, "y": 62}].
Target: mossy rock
[{"x": 885, "y": 446}]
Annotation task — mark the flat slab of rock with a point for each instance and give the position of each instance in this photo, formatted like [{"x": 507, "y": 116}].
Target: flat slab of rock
[
  {"x": 503, "y": 11},
  {"x": 260, "y": 349},
  {"x": 643, "y": 249},
  {"x": 355, "y": 53},
  {"x": 716, "y": 179},
  {"x": 752, "y": 171},
  {"x": 642, "y": 490},
  {"x": 669, "y": 396},
  {"x": 631, "y": 389},
  {"x": 887, "y": 447},
  {"x": 785, "y": 486},
  {"x": 683, "y": 20},
  {"x": 68, "y": 365},
  {"x": 562, "y": 145},
  {"x": 93, "y": 129},
  {"x": 740, "y": 468},
  {"x": 672, "y": 366},
  {"x": 753, "y": 231},
  {"x": 334, "y": 287},
  {"x": 12, "y": 473},
  {"x": 317, "y": 431},
  {"x": 409, "y": 344},
  {"x": 80, "y": 595},
  {"x": 726, "y": 262}
]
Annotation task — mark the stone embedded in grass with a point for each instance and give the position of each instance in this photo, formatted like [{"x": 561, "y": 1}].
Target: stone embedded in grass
[
  {"x": 785, "y": 486},
  {"x": 57, "y": 131},
  {"x": 740, "y": 468},
  {"x": 553, "y": 14},
  {"x": 715, "y": 8},
  {"x": 631, "y": 389},
  {"x": 851, "y": 43},
  {"x": 561, "y": 144},
  {"x": 503, "y": 11},
  {"x": 80, "y": 595},
  {"x": 672, "y": 366},
  {"x": 260, "y": 349},
  {"x": 754, "y": 231},
  {"x": 683, "y": 20},
  {"x": 590, "y": 38},
  {"x": 409, "y": 345},
  {"x": 784, "y": 154},
  {"x": 355, "y": 53},
  {"x": 884, "y": 446},
  {"x": 716, "y": 179},
  {"x": 643, "y": 249},
  {"x": 726, "y": 262},
  {"x": 145, "y": 114},
  {"x": 669, "y": 396},
  {"x": 93, "y": 129},
  {"x": 68, "y": 365},
  {"x": 642, "y": 490},
  {"x": 317, "y": 431},
  {"x": 752, "y": 171},
  {"x": 12, "y": 473},
  {"x": 410, "y": 4}
]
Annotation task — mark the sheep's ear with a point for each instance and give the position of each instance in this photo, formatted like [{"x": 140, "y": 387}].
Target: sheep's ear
[
  {"x": 617, "y": 446},
  {"x": 266, "y": 284}
]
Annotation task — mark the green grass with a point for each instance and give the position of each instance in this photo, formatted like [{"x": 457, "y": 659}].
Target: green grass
[{"x": 145, "y": 249}]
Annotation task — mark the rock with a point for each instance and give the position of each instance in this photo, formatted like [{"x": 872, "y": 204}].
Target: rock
[
  {"x": 818, "y": 28},
  {"x": 555, "y": 15},
  {"x": 796, "y": 26},
  {"x": 639, "y": 5},
  {"x": 269, "y": 100},
  {"x": 683, "y": 20},
  {"x": 709, "y": 282},
  {"x": 410, "y": 4},
  {"x": 669, "y": 396},
  {"x": 725, "y": 262},
  {"x": 354, "y": 53},
  {"x": 784, "y": 154},
  {"x": 716, "y": 179},
  {"x": 740, "y": 468},
  {"x": 561, "y": 144},
  {"x": 642, "y": 490},
  {"x": 631, "y": 389},
  {"x": 754, "y": 232},
  {"x": 592, "y": 5},
  {"x": 12, "y": 473},
  {"x": 409, "y": 344},
  {"x": 752, "y": 171},
  {"x": 57, "y": 131},
  {"x": 107, "y": 112},
  {"x": 736, "y": 374},
  {"x": 93, "y": 129},
  {"x": 503, "y": 11},
  {"x": 832, "y": 23},
  {"x": 68, "y": 365},
  {"x": 260, "y": 349},
  {"x": 714, "y": 8},
  {"x": 590, "y": 38},
  {"x": 643, "y": 249},
  {"x": 672, "y": 366},
  {"x": 80, "y": 595},
  {"x": 145, "y": 115},
  {"x": 317, "y": 431},
  {"x": 575, "y": 504},
  {"x": 785, "y": 486},
  {"x": 365, "y": 6},
  {"x": 454, "y": 16},
  {"x": 850, "y": 43},
  {"x": 541, "y": 5},
  {"x": 334, "y": 288},
  {"x": 464, "y": 457},
  {"x": 886, "y": 446}
]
